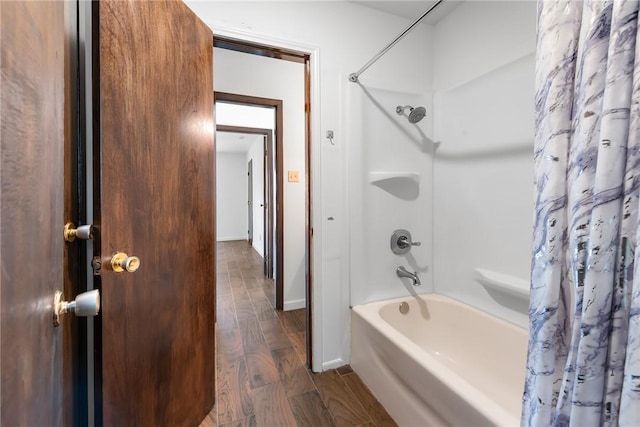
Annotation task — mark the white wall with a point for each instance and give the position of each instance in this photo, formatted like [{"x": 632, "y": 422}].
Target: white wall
[
  {"x": 256, "y": 155},
  {"x": 244, "y": 115},
  {"x": 231, "y": 196},
  {"x": 484, "y": 61},
  {"x": 254, "y": 75},
  {"x": 343, "y": 36}
]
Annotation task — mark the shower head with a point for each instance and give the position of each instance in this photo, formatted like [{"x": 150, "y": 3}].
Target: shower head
[{"x": 415, "y": 114}]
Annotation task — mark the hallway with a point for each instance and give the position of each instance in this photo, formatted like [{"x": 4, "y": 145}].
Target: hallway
[{"x": 261, "y": 378}]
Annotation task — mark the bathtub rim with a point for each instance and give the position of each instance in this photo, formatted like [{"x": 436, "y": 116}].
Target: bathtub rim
[{"x": 370, "y": 313}]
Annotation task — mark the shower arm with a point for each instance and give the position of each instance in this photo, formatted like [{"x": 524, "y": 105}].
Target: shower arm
[{"x": 353, "y": 77}]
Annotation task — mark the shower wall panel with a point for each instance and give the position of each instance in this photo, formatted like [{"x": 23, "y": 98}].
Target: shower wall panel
[
  {"x": 483, "y": 173},
  {"x": 391, "y": 188}
]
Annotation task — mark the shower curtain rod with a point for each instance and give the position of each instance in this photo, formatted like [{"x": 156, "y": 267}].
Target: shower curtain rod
[{"x": 353, "y": 77}]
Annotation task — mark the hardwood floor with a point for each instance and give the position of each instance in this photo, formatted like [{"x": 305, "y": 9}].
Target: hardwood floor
[{"x": 261, "y": 376}]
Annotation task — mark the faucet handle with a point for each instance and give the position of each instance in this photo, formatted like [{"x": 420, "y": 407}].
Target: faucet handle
[
  {"x": 405, "y": 242},
  {"x": 401, "y": 242}
]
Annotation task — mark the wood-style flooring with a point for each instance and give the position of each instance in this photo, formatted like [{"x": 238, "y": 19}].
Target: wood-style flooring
[{"x": 261, "y": 376}]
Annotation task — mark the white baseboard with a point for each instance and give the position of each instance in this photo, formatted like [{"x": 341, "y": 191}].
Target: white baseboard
[
  {"x": 333, "y": 364},
  {"x": 229, "y": 239},
  {"x": 294, "y": 305}
]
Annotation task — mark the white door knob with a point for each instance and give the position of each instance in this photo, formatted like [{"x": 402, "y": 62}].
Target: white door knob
[
  {"x": 86, "y": 304},
  {"x": 84, "y": 232}
]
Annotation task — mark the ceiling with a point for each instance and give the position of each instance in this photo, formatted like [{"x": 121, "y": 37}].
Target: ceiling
[
  {"x": 231, "y": 142},
  {"x": 411, "y": 9}
]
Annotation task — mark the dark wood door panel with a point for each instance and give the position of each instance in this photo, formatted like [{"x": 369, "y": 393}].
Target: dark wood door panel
[
  {"x": 31, "y": 196},
  {"x": 156, "y": 201}
]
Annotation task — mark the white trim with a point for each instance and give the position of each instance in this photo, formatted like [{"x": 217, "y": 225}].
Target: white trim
[
  {"x": 294, "y": 305},
  {"x": 316, "y": 183},
  {"x": 262, "y": 39},
  {"x": 258, "y": 249},
  {"x": 333, "y": 364},
  {"x": 230, "y": 239}
]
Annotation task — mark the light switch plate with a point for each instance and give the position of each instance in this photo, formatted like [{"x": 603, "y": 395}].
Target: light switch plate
[{"x": 294, "y": 176}]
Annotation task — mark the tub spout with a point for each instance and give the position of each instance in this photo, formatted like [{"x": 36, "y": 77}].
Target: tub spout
[{"x": 403, "y": 272}]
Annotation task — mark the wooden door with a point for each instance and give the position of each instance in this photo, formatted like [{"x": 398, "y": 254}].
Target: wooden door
[
  {"x": 31, "y": 197},
  {"x": 154, "y": 81}
]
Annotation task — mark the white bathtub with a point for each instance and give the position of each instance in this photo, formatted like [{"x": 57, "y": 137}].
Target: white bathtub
[{"x": 442, "y": 363}]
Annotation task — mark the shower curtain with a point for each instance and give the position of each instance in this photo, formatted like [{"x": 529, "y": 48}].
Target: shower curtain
[{"x": 583, "y": 366}]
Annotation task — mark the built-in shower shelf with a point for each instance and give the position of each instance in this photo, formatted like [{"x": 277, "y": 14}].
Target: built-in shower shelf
[
  {"x": 503, "y": 283},
  {"x": 386, "y": 176}
]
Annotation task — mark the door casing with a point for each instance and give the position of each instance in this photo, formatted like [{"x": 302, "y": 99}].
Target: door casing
[
  {"x": 268, "y": 190},
  {"x": 74, "y": 329},
  {"x": 278, "y": 210},
  {"x": 250, "y": 201}
]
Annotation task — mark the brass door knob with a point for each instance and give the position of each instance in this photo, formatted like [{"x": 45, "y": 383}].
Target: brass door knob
[{"x": 122, "y": 262}]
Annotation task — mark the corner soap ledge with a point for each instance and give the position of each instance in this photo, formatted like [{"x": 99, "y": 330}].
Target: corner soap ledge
[
  {"x": 505, "y": 284},
  {"x": 374, "y": 177}
]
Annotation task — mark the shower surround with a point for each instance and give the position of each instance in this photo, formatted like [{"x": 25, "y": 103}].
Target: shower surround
[{"x": 475, "y": 167}]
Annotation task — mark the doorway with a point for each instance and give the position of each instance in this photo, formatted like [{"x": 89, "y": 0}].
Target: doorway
[
  {"x": 292, "y": 156},
  {"x": 234, "y": 110},
  {"x": 253, "y": 145}
]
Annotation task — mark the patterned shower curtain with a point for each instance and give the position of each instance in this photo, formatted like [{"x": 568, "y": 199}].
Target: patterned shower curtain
[{"x": 583, "y": 366}]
